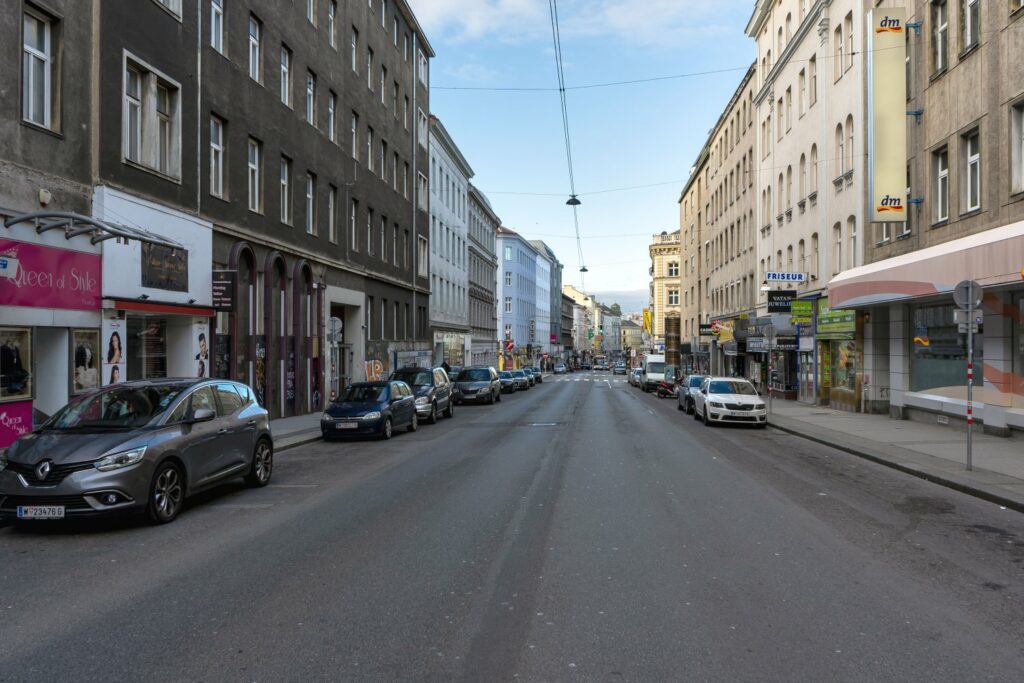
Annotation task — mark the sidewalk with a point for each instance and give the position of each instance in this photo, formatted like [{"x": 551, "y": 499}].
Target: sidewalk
[
  {"x": 932, "y": 452},
  {"x": 295, "y": 431}
]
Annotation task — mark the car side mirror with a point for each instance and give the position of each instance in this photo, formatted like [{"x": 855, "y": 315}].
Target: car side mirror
[{"x": 202, "y": 415}]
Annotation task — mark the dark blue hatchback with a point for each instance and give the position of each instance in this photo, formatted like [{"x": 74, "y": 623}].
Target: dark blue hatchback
[{"x": 370, "y": 409}]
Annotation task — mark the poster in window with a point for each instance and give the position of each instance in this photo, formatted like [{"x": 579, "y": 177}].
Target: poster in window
[
  {"x": 114, "y": 368},
  {"x": 87, "y": 360},
  {"x": 201, "y": 347},
  {"x": 164, "y": 267},
  {"x": 15, "y": 363}
]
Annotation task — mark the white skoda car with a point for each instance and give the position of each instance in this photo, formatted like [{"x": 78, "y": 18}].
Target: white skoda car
[{"x": 729, "y": 399}]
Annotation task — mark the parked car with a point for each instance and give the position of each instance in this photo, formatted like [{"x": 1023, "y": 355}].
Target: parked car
[
  {"x": 432, "y": 388},
  {"x": 634, "y": 376},
  {"x": 653, "y": 371},
  {"x": 728, "y": 399},
  {"x": 560, "y": 369},
  {"x": 522, "y": 379},
  {"x": 508, "y": 382},
  {"x": 141, "y": 446},
  {"x": 619, "y": 369},
  {"x": 538, "y": 374},
  {"x": 585, "y": 366},
  {"x": 479, "y": 384},
  {"x": 688, "y": 389},
  {"x": 370, "y": 409},
  {"x": 530, "y": 377}
]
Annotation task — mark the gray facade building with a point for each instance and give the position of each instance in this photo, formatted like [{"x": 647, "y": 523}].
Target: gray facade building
[{"x": 483, "y": 276}]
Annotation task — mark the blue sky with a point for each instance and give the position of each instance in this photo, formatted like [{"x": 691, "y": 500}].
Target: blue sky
[{"x": 622, "y": 136}]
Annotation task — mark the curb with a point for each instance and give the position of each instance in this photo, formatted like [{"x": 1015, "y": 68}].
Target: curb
[
  {"x": 299, "y": 441},
  {"x": 971, "y": 490}
]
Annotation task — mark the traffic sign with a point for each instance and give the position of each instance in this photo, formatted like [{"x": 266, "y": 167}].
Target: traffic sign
[
  {"x": 962, "y": 328},
  {"x": 967, "y": 294}
]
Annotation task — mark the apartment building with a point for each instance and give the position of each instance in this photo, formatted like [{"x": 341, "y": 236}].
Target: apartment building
[
  {"x": 552, "y": 341},
  {"x": 483, "y": 277},
  {"x": 517, "y": 298},
  {"x": 449, "y": 248},
  {"x": 694, "y": 348},
  {"x": 665, "y": 284}
]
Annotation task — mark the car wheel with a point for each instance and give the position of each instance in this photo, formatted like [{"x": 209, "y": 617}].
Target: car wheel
[
  {"x": 262, "y": 464},
  {"x": 166, "y": 493},
  {"x": 385, "y": 431},
  {"x": 415, "y": 423},
  {"x": 498, "y": 397},
  {"x": 490, "y": 399},
  {"x": 450, "y": 412},
  {"x": 433, "y": 414},
  {"x": 696, "y": 415},
  {"x": 707, "y": 418}
]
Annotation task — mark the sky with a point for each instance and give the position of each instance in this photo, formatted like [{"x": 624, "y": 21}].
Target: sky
[{"x": 643, "y": 136}]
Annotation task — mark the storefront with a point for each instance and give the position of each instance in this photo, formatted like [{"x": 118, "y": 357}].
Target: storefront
[
  {"x": 156, "y": 295},
  {"x": 771, "y": 347},
  {"x": 841, "y": 358},
  {"x": 916, "y": 352},
  {"x": 50, "y": 288},
  {"x": 451, "y": 347}
]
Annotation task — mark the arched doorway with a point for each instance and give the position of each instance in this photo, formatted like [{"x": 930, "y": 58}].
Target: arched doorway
[
  {"x": 304, "y": 327},
  {"x": 275, "y": 311},
  {"x": 243, "y": 320}
]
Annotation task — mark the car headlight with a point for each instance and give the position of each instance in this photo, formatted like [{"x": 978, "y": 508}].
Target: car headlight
[
  {"x": 119, "y": 460},
  {"x": 327, "y": 417},
  {"x": 715, "y": 404},
  {"x": 372, "y": 416},
  {"x": 422, "y": 400}
]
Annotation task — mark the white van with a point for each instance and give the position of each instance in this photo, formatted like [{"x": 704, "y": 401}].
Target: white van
[{"x": 654, "y": 371}]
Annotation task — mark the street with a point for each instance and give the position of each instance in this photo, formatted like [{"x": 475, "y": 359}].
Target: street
[{"x": 582, "y": 530}]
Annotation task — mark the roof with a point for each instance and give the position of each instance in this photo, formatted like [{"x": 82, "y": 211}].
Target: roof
[{"x": 441, "y": 133}]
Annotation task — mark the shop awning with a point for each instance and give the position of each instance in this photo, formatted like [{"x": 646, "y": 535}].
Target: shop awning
[
  {"x": 991, "y": 258},
  {"x": 74, "y": 224}
]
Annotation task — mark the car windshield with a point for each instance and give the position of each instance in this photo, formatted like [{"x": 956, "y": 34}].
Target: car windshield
[
  {"x": 696, "y": 381},
  {"x": 505, "y": 374},
  {"x": 117, "y": 407},
  {"x": 415, "y": 378},
  {"x": 518, "y": 373},
  {"x": 656, "y": 368},
  {"x": 731, "y": 387},
  {"x": 363, "y": 394},
  {"x": 474, "y": 375}
]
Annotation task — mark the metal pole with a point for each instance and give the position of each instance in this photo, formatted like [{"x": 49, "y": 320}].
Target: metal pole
[
  {"x": 970, "y": 371},
  {"x": 771, "y": 346}
]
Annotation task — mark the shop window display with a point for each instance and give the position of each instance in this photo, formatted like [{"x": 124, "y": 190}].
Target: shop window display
[
  {"x": 15, "y": 363},
  {"x": 938, "y": 362},
  {"x": 87, "y": 360}
]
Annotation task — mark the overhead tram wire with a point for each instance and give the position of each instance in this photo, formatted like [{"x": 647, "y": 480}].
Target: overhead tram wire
[{"x": 556, "y": 37}]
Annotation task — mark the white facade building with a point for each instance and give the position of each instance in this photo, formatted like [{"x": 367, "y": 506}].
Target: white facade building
[
  {"x": 449, "y": 250},
  {"x": 542, "y": 321}
]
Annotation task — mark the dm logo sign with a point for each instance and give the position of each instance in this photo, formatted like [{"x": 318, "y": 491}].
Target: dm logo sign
[
  {"x": 890, "y": 203},
  {"x": 889, "y": 25}
]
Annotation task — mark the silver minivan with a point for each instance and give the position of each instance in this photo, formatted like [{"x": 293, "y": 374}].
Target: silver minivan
[{"x": 137, "y": 446}]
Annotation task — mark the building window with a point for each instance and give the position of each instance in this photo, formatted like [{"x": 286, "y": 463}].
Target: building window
[
  {"x": 423, "y": 129},
  {"x": 508, "y": 253},
  {"x": 394, "y": 245},
  {"x": 217, "y": 25},
  {"x": 972, "y": 171},
  {"x": 174, "y": 6},
  {"x": 812, "y": 79},
  {"x": 789, "y": 109},
  {"x": 423, "y": 69},
  {"x": 332, "y": 107},
  {"x": 814, "y": 169},
  {"x": 332, "y": 214},
  {"x": 369, "y": 68},
  {"x": 508, "y": 278},
  {"x": 286, "y": 190},
  {"x": 851, "y": 236},
  {"x": 311, "y": 11},
  {"x": 673, "y": 269},
  {"x": 848, "y": 26},
  {"x": 332, "y": 12},
  {"x": 255, "y": 33},
  {"x": 383, "y": 159},
  {"x": 394, "y": 172},
  {"x": 394, "y": 29},
  {"x": 837, "y": 248},
  {"x": 423, "y": 193},
  {"x": 311, "y": 98},
  {"x": 216, "y": 157},
  {"x": 802, "y": 94},
  {"x": 940, "y": 35},
  {"x": 286, "y": 81},
  {"x": 837, "y": 45},
  {"x": 405, "y": 181},
  {"x": 310, "y": 204},
  {"x": 255, "y": 181},
  {"x": 405, "y": 113},
  {"x": 941, "y": 165},
  {"x": 939, "y": 352},
  {"x": 355, "y": 135},
  {"x": 394, "y": 98},
  {"x": 369, "y": 148},
  {"x": 1017, "y": 145},
  {"x": 383, "y": 238},
  {"x": 673, "y": 297},
  {"x": 152, "y": 120},
  {"x": 353, "y": 212},
  {"x": 423, "y": 257},
  {"x": 355, "y": 49},
  {"x": 383, "y": 85},
  {"x": 971, "y": 12},
  {"x": 508, "y": 304},
  {"x": 369, "y": 232},
  {"x": 37, "y": 70}
]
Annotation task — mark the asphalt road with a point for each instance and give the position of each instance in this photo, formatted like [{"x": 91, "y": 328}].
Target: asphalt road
[{"x": 579, "y": 531}]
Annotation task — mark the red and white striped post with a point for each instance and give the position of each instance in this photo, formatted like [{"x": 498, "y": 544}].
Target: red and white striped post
[{"x": 970, "y": 371}]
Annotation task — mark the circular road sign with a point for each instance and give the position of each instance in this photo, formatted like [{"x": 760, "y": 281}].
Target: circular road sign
[{"x": 967, "y": 294}]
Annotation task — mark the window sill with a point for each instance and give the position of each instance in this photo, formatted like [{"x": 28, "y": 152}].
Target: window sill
[
  {"x": 813, "y": 198},
  {"x": 1017, "y": 13},
  {"x": 42, "y": 129},
  {"x": 904, "y": 235},
  {"x": 971, "y": 213},
  {"x": 789, "y": 215},
  {"x": 219, "y": 197},
  {"x": 939, "y": 224},
  {"x": 936, "y": 75},
  {"x": 968, "y": 51},
  {"x": 848, "y": 177},
  {"x": 1017, "y": 195},
  {"x": 838, "y": 183},
  {"x": 882, "y": 243},
  {"x": 802, "y": 205},
  {"x": 152, "y": 171}
]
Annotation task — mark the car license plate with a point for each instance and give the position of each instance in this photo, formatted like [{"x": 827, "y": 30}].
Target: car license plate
[
  {"x": 348, "y": 425},
  {"x": 40, "y": 512}
]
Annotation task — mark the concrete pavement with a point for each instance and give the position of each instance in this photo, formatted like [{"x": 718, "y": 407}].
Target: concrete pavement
[{"x": 932, "y": 452}]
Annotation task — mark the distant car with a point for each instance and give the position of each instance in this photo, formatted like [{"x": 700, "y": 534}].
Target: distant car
[
  {"x": 370, "y": 409},
  {"x": 688, "y": 389},
  {"x": 508, "y": 382},
  {"x": 479, "y": 384},
  {"x": 141, "y": 446},
  {"x": 585, "y": 366},
  {"x": 530, "y": 377},
  {"x": 560, "y": 369},
  {"x": 635, "y": 376},
  {"x": 729, "y": 399},
  {"x": 432, "y": 388},
  {"x": 538, "y": 374},
  {"x": 522, "y": 379},
  {"x": 619, "y": 369}
]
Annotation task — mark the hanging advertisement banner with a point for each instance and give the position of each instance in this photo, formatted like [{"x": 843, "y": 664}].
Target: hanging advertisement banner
[
  {"x": 201, "y": 347},
  {"x": 115, "y": 351},
  {"x": 887, "y": 115},
  {"x": 779, "y": 300}
]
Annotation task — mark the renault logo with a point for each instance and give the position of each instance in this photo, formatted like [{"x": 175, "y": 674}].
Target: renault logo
[{"x": 43, "y": 470}]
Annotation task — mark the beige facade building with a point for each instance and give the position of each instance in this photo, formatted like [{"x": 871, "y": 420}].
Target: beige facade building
[
  {"x": 665, "y": 285},
  {"x": 692, "y": 203}
]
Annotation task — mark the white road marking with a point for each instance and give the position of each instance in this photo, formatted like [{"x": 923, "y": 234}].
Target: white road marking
[
  {"x": 292, "y": 486},
  {"x": 242, "y": 506}
]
